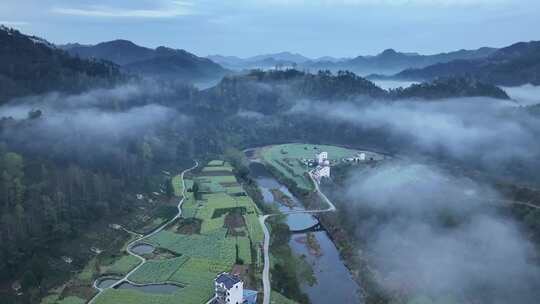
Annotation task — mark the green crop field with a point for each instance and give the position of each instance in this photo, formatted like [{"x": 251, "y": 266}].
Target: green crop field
[
  {"x": 244, "y": 249},
  {"x": 199, "y": 272},
  {"x": 216, "y": 163},
  {"x": 157, "y": 271},
  {"x": 122, "y": 265},
  {"x": 234, "y": 189},
  {"x": 204, "y": 254},
  {"x": 213, "y": 246},
  {"x": 177, "y": 185},
  {"x": 218, "y": 169}
]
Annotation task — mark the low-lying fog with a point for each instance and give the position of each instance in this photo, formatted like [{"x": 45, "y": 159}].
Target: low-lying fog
[
  {"x": 432, "y": 233},
  {"x": 393, "y": 84},
  {"x": 91, "y": 122},
  {"x": 488, "y": 132},
  {"x": 524, "y": 95}
]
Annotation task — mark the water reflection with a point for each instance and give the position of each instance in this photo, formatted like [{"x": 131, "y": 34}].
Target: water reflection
[{"x": 334, "y": 282}]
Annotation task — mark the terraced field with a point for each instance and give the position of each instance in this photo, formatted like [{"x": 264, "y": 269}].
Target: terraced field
[{"x": 226, "y": 231}]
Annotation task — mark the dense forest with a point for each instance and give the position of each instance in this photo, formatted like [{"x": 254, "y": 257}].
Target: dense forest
[{"x": 30, "y": 65}]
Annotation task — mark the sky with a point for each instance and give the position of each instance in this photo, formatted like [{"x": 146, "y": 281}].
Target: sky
[{"x": 340, "y": 28}]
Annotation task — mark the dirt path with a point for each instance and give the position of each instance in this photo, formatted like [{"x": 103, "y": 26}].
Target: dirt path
[{"x": 156, "y": 231}]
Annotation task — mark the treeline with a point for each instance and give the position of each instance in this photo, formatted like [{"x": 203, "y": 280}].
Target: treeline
[
  {"x": 29, "y": 65},
  {"x": 43, "y": 203}
]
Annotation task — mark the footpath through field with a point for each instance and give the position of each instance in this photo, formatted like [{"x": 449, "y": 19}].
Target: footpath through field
[{"x": 156, "y": 231}]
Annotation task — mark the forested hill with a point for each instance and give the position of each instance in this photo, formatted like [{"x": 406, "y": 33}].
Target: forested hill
[
  {"x": 449, "y": 88},
  {"x": 269, "y": 92},
  {"x": 515, "y": 65},
  {"x": 30, "y": 65},
  {"x": 161, "y": 62}
]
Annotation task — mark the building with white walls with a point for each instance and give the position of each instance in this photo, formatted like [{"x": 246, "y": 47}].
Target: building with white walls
[
  {"x": 229, "y": 289},
  {"x": 322, "y": 158},
  {"x": 323, "y": 167}
]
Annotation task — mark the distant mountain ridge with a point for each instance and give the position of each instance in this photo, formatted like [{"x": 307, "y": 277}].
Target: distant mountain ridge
[
  {"x": 391, "y": 61},
  {"x": 514, "y": 65},
  {"x": 32, "y": 65},
  {"x": 160, "y": 62},
  {"x": 260, "y": 61},
  {"x": 387, "y": 62}
]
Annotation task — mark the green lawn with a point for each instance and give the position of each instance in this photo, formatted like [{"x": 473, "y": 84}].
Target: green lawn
[{"x": 286, "y": 159}]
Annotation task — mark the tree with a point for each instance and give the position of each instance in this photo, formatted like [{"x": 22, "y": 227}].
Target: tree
[{"x": 195, "y": 190}]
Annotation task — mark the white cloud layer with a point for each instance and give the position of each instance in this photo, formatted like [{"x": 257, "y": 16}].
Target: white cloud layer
[
  {"x": 167, "y": 10},
  {"x": 428, "y": 3},
  {"x": 13, "y": 23}
]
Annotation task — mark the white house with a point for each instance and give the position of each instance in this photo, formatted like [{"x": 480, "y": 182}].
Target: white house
[
  {"x": 322, "y": 158},
  {"x": 361, "y": 156},
  {"x": 323, "y": 167},
  {"x": 229, "y": 289}
]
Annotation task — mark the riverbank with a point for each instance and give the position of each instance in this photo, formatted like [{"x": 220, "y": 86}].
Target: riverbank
[
  {"x": 327, "y": 269},
  {"x": 349, "y": 249}
]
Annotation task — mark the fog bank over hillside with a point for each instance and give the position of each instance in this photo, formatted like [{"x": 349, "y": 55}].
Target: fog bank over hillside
[
  {"x": 92, "y": 121},
  {"x": 393, "y": 84},
  {"x": 478, "y": 129},
  {"x": 524, "y": 95},
  {"x": 435, "y": 234}
]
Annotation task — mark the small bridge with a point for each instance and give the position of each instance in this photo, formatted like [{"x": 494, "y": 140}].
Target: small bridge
[{"x": 314, "y": 228}]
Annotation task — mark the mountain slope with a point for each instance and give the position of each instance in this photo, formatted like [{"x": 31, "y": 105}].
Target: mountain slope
[
  {"x": 161, "y": 62},
  {"x": 391, "y": 61},
  {"x": 120, "y": 52},
  {"x": 514, "y": 65},
  {"x": 169, "y": 63},
  {"x": 31, "y": 65},
  {"x": 260, "y": 61}
]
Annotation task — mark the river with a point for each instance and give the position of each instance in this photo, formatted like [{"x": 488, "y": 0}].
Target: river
[{"x": 334, "y": 282}]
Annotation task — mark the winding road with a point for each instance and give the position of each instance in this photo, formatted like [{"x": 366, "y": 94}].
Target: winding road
[
  {"x": 143, "y": 237},
  {"x": 266, "y": 245}
]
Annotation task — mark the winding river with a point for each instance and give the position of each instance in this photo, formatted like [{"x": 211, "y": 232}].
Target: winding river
[{"x": 334, "y": 282}]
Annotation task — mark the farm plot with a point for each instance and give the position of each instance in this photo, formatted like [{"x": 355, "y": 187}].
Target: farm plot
[
  {"x": 216, "y": 163},
  {"x": 177, "y": 185},
  {"x": 244, "y": 249},
  {"x": 120, "y": 266},
  {"x": 212, "y": 246},
  {"x": 214, "y": 233},
  {"x": 218, "y": 169}
]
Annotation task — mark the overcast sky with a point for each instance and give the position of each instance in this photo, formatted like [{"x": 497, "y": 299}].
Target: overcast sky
[{"x": 311, "y": 27}]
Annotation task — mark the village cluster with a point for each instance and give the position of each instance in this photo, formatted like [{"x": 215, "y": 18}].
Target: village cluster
[{"x": 321, "y": 164}]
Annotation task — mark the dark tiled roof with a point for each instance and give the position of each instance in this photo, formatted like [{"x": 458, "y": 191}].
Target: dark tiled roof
[{"x": 227, "y": 279}]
